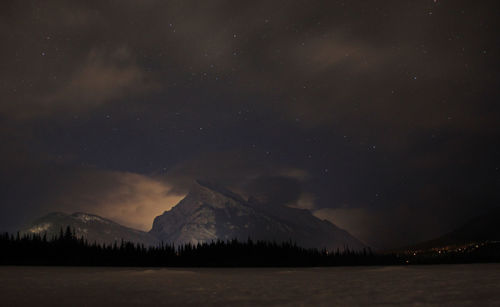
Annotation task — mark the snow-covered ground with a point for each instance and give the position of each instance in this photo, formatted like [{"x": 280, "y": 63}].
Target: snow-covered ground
[{"x": 452, "y": 285}]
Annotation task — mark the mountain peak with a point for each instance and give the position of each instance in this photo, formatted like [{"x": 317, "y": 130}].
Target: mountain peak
[
  {"x": 87, "y": 217},
  {"x": 211, "y": 212},
  {"x": 90, "y": 226},
  {"x": 218, "y": 189}
]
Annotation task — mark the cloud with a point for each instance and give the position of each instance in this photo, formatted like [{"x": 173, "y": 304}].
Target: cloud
[
  {"x": 131, "y": 199},
  {"x": 241, "y": 171},
  {"x": 275, "y": 190},
  {"x": 326, "y": 52},
  {"x": 305, "y": 201},
  {"x": 105, "y": 76},
  {"x": 390, "y": 227},
  {"x": 312, "y": 61},
  {"x": 135, "y": 200},
  {"x": 102, "y": 76}
]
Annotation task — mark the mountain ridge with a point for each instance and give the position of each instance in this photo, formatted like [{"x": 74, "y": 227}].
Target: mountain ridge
[
  {"x": 92, "y": 227},
  {"x": 481, "y": 228},
  {"x": 210, "y": 212}
]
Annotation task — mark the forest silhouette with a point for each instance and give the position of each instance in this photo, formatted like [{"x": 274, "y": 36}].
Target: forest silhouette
[{"x": 67, "y": 249}]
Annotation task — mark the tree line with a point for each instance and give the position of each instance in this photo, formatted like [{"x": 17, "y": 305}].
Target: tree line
[{"x": 68, "y": 249}]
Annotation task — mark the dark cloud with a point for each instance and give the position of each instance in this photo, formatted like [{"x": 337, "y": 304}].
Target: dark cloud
[
  {"x": 103, "y": 77},
  {"x": 384, "y": 114},
  {"x": 275, "y": 190}
]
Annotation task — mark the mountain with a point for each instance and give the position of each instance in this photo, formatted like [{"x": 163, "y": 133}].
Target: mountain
[
  {"x": 207, "y": 213},
  {"x": 482, "y": 228},
  {"x": 92, "y": 227},
  {"x": 210, "y": 212}
]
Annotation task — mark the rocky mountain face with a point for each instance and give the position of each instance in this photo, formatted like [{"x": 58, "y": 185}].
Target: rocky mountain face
[
  {"x": 92, "y": 227},
  {"x": 207, "y": 213},
  {"x": 210, "y": 212}
]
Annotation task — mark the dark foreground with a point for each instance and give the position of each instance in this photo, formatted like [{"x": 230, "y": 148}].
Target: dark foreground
[{"x": 452, "y": 285}]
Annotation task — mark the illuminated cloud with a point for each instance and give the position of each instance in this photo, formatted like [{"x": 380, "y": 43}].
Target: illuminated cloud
[{"x": 130, "y": 199}]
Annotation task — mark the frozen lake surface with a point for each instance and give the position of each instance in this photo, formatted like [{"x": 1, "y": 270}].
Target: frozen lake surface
[{"x": 452, "y": 285}]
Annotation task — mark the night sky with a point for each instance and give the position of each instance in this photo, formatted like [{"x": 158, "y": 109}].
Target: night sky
[{"x": 381, "y": 116}]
